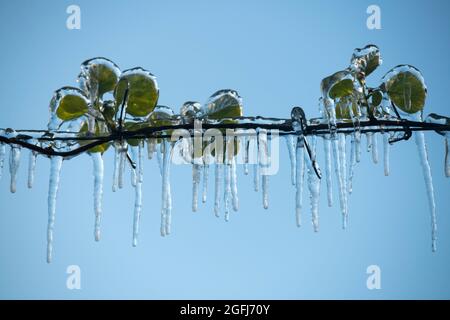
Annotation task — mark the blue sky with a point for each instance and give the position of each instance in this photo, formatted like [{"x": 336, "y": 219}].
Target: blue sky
[{"x": 274, "y": 54}]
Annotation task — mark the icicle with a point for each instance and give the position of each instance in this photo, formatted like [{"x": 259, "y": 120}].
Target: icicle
[
  {"x": 205, "y": 182},
  {"x": 343, "y": 169},
  {"x": 227, "y": 191},
  {"x": 327, "y": 150},
  {"x": 218, "y": 183},
  {"x": 31, "y": 168},
  {"x": 299, "y": 173},
  {"x": 234, "y": 190},
  {"x": 264, "y": 162},
  {"x": 117, "y": 159},
  {"x": 14, "y": 162},
  {"x": 290, "y": 142},
  {"x": 256, "y": 172},
  {"x": 246, "y": 144},
  {"x": 166, "y": 206},
  {"x": 134, "y": 174},
  {"x": 369, "y": 140},
  {"x": 151, "y": 146},
  {"x": 374, "y": 148},
  {"x": 138, "y": 195},
  {"x": 447, "y": 157},
  {"x": 421, "y": 145},
  {"x": 195, "y": 185},
  {"x": 122, "y": 161},
  {"x": 386, "y": 148},
  {"x": 352, "y": 164},
  {"x": 358, "y": 146},
  {"x": 2, "y": 157},
  {"x": 314, "y": 188},
  {"x": 98, "y": 191},
  {"x": 55, "y": 170},
  {"x": 341, "y": 182}
]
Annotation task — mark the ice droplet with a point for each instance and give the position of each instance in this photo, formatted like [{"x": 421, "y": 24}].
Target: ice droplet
[
  {"x": 55, "y": 170},
  {"x": 314, "y": 187},
  {"x": 14, "y": 162},
  {"x": 327, "y": 150},
  {"x": 31, "y": 168},
  {"x": 299, "y": 173},
  {"x": 98, "y": 191},
  {"x": 426, "y": 169},
  {"x": 290, "y": 143},
  {"x": 386, "y": 148}
]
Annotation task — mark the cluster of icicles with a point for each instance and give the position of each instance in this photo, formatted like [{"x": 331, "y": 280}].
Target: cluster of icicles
[{"x": 225, "y": 182}]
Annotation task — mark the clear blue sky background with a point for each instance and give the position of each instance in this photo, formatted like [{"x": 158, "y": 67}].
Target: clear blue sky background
[{"x": 274, "y": 53}]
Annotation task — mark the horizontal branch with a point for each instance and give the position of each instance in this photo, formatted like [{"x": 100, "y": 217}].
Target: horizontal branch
[{"x": 283, "y": 126}]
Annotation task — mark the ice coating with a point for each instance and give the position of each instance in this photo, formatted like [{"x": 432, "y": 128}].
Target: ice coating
[
  {"x": 31, "y": 168},
  {"x": 55, "y": 170},
  {"x": 190, "y": 110},
  {"x": 223, "y": 103},
  {"x": 366, "y": 59},
  {"x": 59, "y": 114},
  {"x": 98, "y": 75},
  {"x": 97, "y": 161},
  {"x": 426, "y": 169}
]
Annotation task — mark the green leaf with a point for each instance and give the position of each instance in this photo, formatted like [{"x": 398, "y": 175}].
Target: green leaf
[
  {"x": 143, "y": 92},
  {"x": 99, "y": 73},
  {"x": 376, "y": 98},
  {"x": 100, "y": 129},
  {"x": 341, "y": 89},
  {"x": 69, "y": 103},
  {"x": 224, "y": 104},
  {"x": 406, "y": 88}
]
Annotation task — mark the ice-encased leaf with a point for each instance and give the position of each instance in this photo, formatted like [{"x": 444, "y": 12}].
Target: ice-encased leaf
[
  {"x": 406, "y": 87},
  {"x": 366, "y": 59},
  {"x": 68, "y": 103},
  {"x": 143, "y": 91},
  {"x": 98, "y": 76},
  {"x": 338, "y": 85},
  {"x": 100, "y": 129},
  {"x": 190, "y": 110},
  {"x": 224, "y": 103}
]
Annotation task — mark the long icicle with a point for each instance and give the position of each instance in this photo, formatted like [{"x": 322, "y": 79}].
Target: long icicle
[
  {"x": 386, "y": 148},
  {"x": 246, "y": 144},
  {"x": 343, "y": 169},
  {"x": 2, "y": 157},
  {"x": 327, "y": 150},
  {"x": 31, "y": 168},
  {"x": 227, "y": 188},
  {"x": 299, "y": 172},
  {"x": 138, "y": 195},
  {"x": 234, "y": 189},
  {"x": 55, "y": 171},
  {"x": 196, "y": 172},
  {"x": 314, "y": 188},
  {"x": 447, "y": 157},
  {"x": 291, "y": 151},
  {"x": 264, "y": 163},
  {"x": 14, "y": 162},
  {"x": 426, "y": 169},
  {"x": 98, "y": 191},
  {"x": 375, "y": 148},
  {"x": 341, "y": 182},
  {"x": 115, "y": 183},
  {"x": 256, "y": 172},
  {"x": 122, "y": 160},
  {"x": 352, "y": 164}
]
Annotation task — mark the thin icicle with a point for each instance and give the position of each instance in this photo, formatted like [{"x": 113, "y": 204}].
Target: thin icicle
[
  {"x": 166, "y": 206},
  {"x": 386, "y": 148},
  {"x": 290, "y": 143},
  {"x": 133, "y": 171},
  {"x": 14, "y": 162},
  {"x": 218, "y": 182},
  {"x": 422, "y": 148},
  {"x": 2, "y": 157},
  {"x": 369, "y": 140},
  {"x": 341, "y": 182},
  {"x": 299, "y": 173},
  {"x": 264, "y": 162},
  {"x": 227, "y": 191},
  {"x": 358, "y": 146},
  {"x": 205, "y": 182},
  {"x": 138, "y": 195},
  {"x": 55, "y": 170},
  {"x": 352, "y": 164},
  {"x": 234, "y": 190},
  {"x": 447, "y": 157},
  {"x": 196, "y": 172},
  {"x": 343, "y": 169},
  {"x": 327, "y": 150},
  {"x": 256, "y": 172},
  {"x": 98, "y": 191},
  {"x": 122, "y": 160},
  {"x": 151, "y": 146},
  {"x": 117, "y": 159},
  {"x": 246, "y": 144},
  {"x": 31, "y": 168},
  {"x": 375, "y": 148},
  {"x": 314, "y": 188}
]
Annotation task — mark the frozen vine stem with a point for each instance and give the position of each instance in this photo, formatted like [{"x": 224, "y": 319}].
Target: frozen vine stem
[{"x": 83, "y": 121}]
